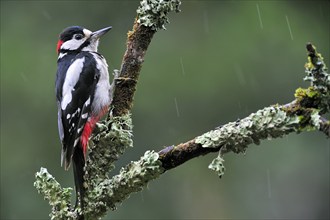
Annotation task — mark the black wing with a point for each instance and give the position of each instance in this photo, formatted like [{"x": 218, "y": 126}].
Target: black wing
[{"x": 75, "y": 104}]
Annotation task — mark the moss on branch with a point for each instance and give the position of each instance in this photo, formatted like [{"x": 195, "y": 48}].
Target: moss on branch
[
  {"x": 268, "y": 123},
  {"x": 114, "y": 135},
  {"x": 135, "y": 176},
  {"x": 302, "y": 114},
  {"x": 153, "y": 13},
  {"x": 107, "y": 194},
  {"x": 108, "y": 143},
  {"x": 59, "y": 198}
]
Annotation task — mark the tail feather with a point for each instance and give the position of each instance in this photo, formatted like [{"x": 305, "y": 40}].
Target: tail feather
[
  {"x": 66, "y": 156},
  {"x": 78, "y": 172},
  {"x": 64, "y": 162}
]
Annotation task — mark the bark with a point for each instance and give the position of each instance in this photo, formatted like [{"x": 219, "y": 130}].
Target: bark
[{"x": 114, "y": 135}]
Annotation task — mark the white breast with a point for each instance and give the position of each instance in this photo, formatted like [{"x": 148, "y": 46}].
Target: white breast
[{"x": 102, "y": 92}]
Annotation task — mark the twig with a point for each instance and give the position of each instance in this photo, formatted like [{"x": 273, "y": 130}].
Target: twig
[{"x": 114, "y": 135}]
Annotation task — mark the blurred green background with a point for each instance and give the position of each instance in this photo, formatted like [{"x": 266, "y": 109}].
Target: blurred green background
[{"x": 216, "y": 62}]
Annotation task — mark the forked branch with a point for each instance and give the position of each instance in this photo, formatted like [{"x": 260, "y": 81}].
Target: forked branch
[{"x": 114, "y": 135}]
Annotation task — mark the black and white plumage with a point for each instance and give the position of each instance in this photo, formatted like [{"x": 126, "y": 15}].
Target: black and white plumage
[{"x": 82, "y": 93}]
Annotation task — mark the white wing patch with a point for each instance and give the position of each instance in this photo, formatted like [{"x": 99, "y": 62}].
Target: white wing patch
[
  {"x": 84, "y": 116},
  {"x": 74, "y": 114},
  {"x": 71, "y": 79},
  {"x": 79, "y": 130},
  {"x": 88, "y": 101},
  {"x": 75, "y": 142}
]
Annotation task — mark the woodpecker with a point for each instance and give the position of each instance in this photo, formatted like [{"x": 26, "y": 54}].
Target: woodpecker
[{"x": 83, "y": 96}]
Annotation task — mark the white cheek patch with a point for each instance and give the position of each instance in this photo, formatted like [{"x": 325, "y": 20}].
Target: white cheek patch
[{"x": 72, "y": 44}]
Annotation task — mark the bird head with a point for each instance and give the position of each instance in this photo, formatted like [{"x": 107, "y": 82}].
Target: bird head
[{"x": 76, "y": 38}]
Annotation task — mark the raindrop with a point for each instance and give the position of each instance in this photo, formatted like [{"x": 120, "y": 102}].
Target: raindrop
[
  {"x": 142, "y": 197},
  {"x": 254, "y": 83},
  {"x": 239, "y": 105},
  {"x": 46, "y": 14},
  {"x": 182, "y": 67},
  {"x": 321, "y": 12},
  {"x": 247, "y": 110},
  {"x": 287, "y": 21},
  {"x": 25, "y": 79},
  {"x": 176, "y": 107},
  {"x": 269, "y": 188},
  {"x": 239, "y": 74},
  {"x": 206, "y": 22},
  {"x": 261, "y": 25}
]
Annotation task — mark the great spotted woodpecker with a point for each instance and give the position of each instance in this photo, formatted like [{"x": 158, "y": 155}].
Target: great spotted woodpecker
[{"x": 83, "y": 96}]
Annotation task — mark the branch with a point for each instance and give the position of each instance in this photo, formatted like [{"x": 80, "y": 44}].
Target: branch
[
  {"x": 302, "y": 114},
  {"x": 325, "y": 126},
  {"x": 114, "y": 135},
  {"x": 125, "y": 85},
  {"x": 152, "y": 16}
]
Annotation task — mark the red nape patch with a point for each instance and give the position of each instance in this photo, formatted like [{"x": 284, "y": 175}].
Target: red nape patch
[
  {"x": 58, "y": 47},
  {"x": 88, "y": 129}
]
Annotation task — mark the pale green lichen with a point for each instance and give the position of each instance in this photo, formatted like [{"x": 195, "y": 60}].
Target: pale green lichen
[
  {"x": 111, "y": 140},
  {"x": 153, "y": 13},
  {"x": 59, "y": 198},
  {"x": 268, "y": 123},
  {"x": 316, "y": 71},
  {"x": 316, "y": 119},
  {"x": 310, "y": 92},
  {"x": 217, "y": 165},
  {"x": 276, "y": 121},
  {"x": 318, "y": 76},
  {"x": 132, "y": 178},
  {"x": 135, "y": 176}
]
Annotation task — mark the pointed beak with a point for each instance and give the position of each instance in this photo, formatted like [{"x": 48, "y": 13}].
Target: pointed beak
[{"x": 99, "y": 33}]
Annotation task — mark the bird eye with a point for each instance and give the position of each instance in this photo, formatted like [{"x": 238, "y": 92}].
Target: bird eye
[{"x": 78, "y": 36}]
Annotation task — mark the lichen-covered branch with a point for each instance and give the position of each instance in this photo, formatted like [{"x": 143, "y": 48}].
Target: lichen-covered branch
[
  {"x": 135, "y": 176},
  {"x": 270, "y": 122},
  {"x": 59, "y": 198},
  {"x": 107, "y": 145},
  {"x": 324, "y": 126},
  {"x": 151, "y": 16},
  {"x": 302, "y": 114},
  {"x": 114, "y": 135}
]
